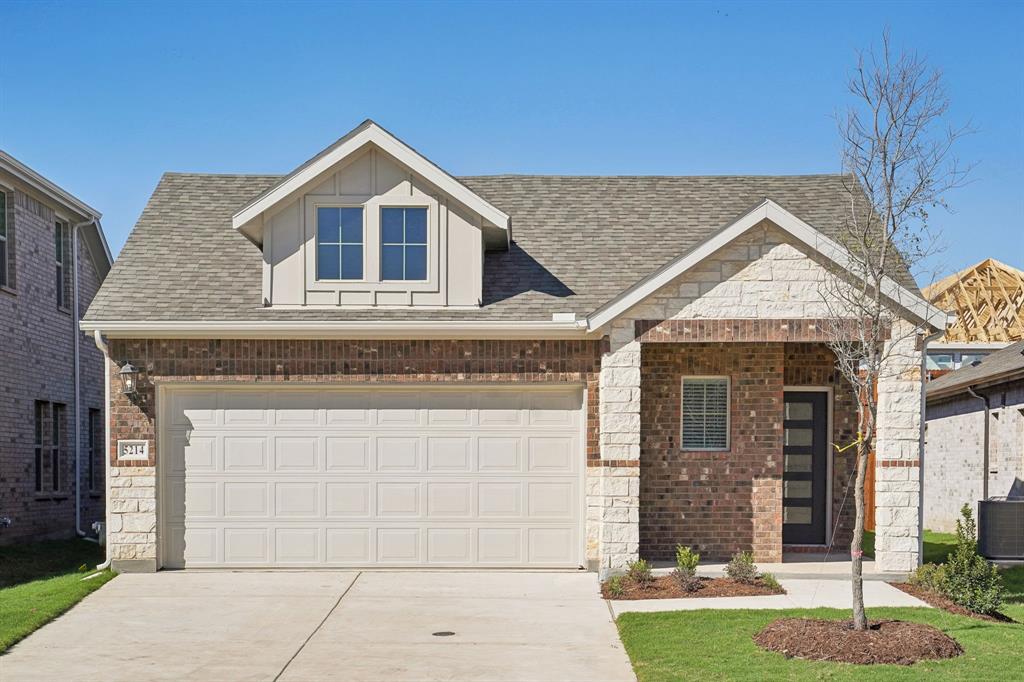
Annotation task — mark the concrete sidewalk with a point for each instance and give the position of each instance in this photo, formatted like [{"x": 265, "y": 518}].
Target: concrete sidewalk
[
  {"x": 800, "y": 594},
  {"x": 798, "y": 566}
]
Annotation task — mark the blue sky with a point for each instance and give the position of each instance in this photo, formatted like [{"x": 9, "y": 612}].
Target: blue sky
[{"x": 104, "y": 97}]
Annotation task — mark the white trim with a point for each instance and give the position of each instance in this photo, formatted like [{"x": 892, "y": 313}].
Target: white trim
[
  {"x": 830, "y": 459},
  {"x": 766, "y": 210},
  {"x": 510, "y": 329},
  {"x": 968, "y": 346},
  {"x": 371, "y": 133},
  {"x": 728, "y": 411}
]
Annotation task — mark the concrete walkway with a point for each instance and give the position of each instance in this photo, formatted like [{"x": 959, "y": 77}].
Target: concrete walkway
[
  {"x": 800, "y": 594},
  {"x": 799, "y": 566},
  {"x": 330, "y": 625}
]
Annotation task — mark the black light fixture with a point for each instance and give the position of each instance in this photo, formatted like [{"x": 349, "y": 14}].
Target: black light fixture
[{"x": 129, "y": 380}]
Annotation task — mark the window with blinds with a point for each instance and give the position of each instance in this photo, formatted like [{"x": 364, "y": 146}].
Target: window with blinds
[{"x": 705, "y": 413}]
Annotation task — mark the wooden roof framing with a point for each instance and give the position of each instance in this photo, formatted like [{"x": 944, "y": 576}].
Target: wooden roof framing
[{"x": 988, "y": 300}]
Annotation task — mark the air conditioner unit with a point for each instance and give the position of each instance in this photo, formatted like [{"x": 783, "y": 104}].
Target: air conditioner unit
[{"x": 1001, "y": 528}]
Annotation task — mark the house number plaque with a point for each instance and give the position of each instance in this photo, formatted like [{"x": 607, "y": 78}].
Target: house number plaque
[{"x": 133, "y": 449}]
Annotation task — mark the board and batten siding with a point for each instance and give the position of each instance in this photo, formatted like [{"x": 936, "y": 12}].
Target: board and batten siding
[{"x": 372, "y": 179}]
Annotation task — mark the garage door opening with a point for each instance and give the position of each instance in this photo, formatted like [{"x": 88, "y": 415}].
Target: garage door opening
[{"x": 388, "y": 477}]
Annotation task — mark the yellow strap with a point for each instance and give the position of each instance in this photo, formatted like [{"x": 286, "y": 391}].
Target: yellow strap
[{"x": 843, "y": 448}]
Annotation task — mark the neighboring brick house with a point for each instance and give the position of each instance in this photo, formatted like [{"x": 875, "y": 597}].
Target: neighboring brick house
[
  {"x": 977, "y": 406},
  {"x": 53, "y": 257},
  {"x": 369, "y": 362}
]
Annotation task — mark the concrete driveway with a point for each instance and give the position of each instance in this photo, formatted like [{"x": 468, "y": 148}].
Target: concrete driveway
[{"x": 330, "y": 625}]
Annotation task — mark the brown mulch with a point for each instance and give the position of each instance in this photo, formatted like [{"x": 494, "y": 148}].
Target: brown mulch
[
  {"x": 666, "y": 587},
  {"x": 940, "y": 601},
  {"x": 885, "y": 641}
]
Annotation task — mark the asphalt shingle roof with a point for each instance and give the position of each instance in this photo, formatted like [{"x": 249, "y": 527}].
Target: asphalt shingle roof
[
  {"x": 578, "y": 243},
  {"x": 1008, "y": 361}
]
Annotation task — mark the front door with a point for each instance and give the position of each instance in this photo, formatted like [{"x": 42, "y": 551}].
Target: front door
[{"x": 805, "y": 467}]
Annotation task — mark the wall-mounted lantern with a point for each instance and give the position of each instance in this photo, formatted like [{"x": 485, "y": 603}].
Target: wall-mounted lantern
[{"x": 129, "y": 381}]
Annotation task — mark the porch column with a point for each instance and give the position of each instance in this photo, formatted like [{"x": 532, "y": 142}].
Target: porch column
[
  {"x": 898, "y": 455},
  {"x": 616, "y": 483}
]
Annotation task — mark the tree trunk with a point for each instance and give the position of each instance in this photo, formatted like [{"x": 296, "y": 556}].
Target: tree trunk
[{"x": 860, "y": 620}]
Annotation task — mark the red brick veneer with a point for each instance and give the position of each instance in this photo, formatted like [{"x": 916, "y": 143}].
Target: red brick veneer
[
  {"x": 724, "y": 502},
  {"x": 346, "y": 362}
]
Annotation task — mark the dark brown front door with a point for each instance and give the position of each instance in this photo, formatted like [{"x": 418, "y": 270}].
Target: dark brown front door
[{"x": 805, "y": 467}]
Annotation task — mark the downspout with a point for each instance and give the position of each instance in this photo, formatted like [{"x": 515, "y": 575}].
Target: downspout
[
  {"x": 102, "y": 345},
  {"x": 920, "y": 450},
  {"x": 78, "y": 381},
  {"x": 984, "y": 447}
]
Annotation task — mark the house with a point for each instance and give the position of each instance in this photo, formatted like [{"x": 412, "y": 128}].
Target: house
[
  {"x": 987, "y": 300},
  {"x": 370, "y": 362},
  {"x": 53, "y": 257},
  {"x": 974, "y": 438}
]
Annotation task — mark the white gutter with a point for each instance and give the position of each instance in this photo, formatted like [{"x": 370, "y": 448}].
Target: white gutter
[
  {"x": 344, "y": 329},
  {"x": 101, "y": 344}
]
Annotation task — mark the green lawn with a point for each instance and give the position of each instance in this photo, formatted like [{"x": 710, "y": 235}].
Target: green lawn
[
  {"x": 718, "y": 645},
  {"x": 937, "y": 546},
  {"x": 42, "y": 580}
]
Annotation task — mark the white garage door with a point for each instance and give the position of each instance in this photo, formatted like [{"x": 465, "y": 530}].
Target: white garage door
[{"x": 383, "y": 477}]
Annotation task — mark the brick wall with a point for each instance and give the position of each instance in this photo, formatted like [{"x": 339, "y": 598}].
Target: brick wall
[
  {"x": 954, "y": 443},
  {"x": 37, "y": 363},
  {"x": 724, "y": 502}
]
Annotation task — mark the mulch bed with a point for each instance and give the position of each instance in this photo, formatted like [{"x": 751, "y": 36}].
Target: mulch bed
[
  {"x": 666, "y": 587},
  {"x": 885, "y": 641},
  {"x": 946, "y": 604}
]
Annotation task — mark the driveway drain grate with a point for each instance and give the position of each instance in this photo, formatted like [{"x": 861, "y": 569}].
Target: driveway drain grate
[{"x": 443, "y": 633}]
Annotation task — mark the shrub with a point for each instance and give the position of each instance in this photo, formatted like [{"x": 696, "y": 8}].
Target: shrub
[
  {"x": 640, "y": 573},
  {"x": 616, "y": 586},
  {"x": 968, "y": 579},
  {"x": 686, "y": 569},
  {"x": 686, "y": 559},
  {"x": 930, "y": 577},
  {"x": 742, "y": 568},
  {"x": 769, "y": 581}
]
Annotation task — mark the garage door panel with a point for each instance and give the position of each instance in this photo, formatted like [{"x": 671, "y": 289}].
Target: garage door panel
[
  {"x": 449, "y": 454},
  {"x": 398, "y": 454},
  {"x": 245, "y": 453},
  {"x": 347, "y": 453},
  {"x": 349, "y": 499},
  {"x": 245, "y": 499},
  {"x": 553, "y": 455},
  {"x": 418, "y": 477},
  {"x": 296, "y": 453},
  {"x": 299, "y": 546},
  {"x": 246, "y": 546},
  {"x": 297, "y": 500},
  {"x": 347, "y": 546}
]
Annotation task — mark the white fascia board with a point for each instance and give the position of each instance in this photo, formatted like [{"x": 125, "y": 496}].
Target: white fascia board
[
  {"x": 391, "y": 145},
  {"x": 968, "y": 346},
  {"x": 800, "y": 230},
  {"x": 505, "y": 329},
  {"x": 41, "y": 184}
]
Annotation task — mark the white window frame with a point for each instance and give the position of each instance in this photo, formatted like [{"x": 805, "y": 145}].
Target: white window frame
[
  {"x": 380, "y": 241},
  {"x": 4, "y": 283},
  {"x": 728, "y": 411},
  {"x": 316, "y": 242}
]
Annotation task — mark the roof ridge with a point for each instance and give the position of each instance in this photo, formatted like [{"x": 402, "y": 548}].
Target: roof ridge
[
  {"x": 221, "y": 175},
  {"x": 669, "y": 177}
]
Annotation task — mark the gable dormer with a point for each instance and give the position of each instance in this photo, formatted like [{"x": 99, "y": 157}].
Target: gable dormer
[{"x": 369, "y": 222}]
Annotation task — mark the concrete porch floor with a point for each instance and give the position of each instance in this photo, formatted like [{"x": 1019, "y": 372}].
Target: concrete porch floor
[{"x": 797, "y": 565}]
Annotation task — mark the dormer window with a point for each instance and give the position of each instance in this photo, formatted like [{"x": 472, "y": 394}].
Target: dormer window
[
  {"x": 339, "y": 243},
  {"x": 403, "y": 243}
]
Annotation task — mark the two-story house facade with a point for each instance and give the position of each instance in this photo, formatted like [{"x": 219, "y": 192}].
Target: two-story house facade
[
  {"x": 53, "y": 258},
  {"x": 369, "y": 362}
]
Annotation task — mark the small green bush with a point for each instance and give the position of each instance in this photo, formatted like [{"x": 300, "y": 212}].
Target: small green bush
[
  {"x": 686, "y": 559},
  {"x": 930, "y": 577},
  {"x": 616, "y": 586},
  {"x": 742, "y": 568},
  {"x": 640, "y": 573},
  {"x": 970, "y": 580},
  {"x": 769, "y": 581}
]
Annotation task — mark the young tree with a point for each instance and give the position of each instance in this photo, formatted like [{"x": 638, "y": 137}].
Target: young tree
[{"x": 897, "y": 165}]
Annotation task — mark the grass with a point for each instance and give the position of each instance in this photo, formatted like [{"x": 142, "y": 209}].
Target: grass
[
  {"x": 718, "y": 645},
  {"x": 937, "y": 546},
  {"x": 41, "y": 580}
]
